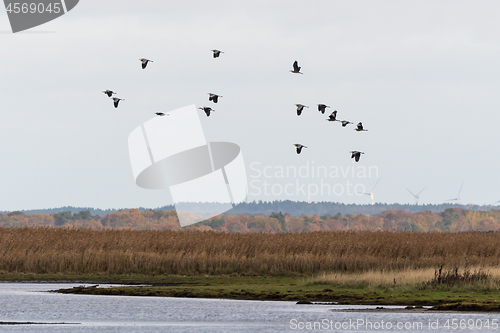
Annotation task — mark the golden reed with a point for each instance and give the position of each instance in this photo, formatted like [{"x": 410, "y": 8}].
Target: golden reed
[{"x": 85, "y": 251}]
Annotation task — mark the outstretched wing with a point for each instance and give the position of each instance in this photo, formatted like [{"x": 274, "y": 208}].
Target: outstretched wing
[
  {"x": 296, "y": 67},
  {"x": 357, "y": 156}
]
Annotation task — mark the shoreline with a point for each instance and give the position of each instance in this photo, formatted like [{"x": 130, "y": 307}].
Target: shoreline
[{"x": 265, "y": 288}]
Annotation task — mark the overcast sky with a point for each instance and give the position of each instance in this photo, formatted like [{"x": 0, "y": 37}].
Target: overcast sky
[{"x": 422, "y": 76}]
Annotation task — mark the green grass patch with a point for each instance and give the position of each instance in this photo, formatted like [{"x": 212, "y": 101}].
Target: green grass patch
[
  {"x": 460, "y": 297},
  {"x": 297, "y": 289}
]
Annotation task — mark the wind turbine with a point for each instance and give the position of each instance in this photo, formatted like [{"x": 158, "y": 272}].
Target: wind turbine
[
  {"x": 417, "y": 195},
  {"x": 371, "y": 194},
  {"x": 457, "y": 199}
]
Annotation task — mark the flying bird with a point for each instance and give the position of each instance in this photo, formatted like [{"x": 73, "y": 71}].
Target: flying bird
[
  {"x": 161, "y": 114},
  {"x": 109, "y": 92},
  {"x": 296, "y": 68},
  {"x": 322, "y": 108},
  {"x": 207, "y": 110},
  {"x": 359, "y": 128},
  {"x": 299, "y": 147},
  {"x": 116, "y": 101},
  {"x": 344, "y": 122},
  {"x": 333, "y": 116},
  {"x": 213, "y": 97},
  {"x": 217, "y": 53},
  {"x": 145, "y": 62},
  {"x": 300, "y": 108},
  {"x": 356, "y": 155}
]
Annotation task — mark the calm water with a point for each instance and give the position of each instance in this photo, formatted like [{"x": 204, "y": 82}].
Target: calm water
[{"x": 32, "y": 303}]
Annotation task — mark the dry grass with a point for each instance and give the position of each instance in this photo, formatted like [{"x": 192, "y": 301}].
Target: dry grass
[
  {"x": 409, "y": 276},
  {"x": 48, "y": 250},
  {"x": 376, "y": 278}
]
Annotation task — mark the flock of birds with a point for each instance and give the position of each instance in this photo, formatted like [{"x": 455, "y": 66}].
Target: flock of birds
[
  {"x": 144, "y": 63},
  {"x": 215, "y": 99},
  {"x": 332, "y": 117}
]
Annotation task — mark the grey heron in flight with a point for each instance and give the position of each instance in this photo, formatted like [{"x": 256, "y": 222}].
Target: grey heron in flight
[
  {"x": 109, "y": 92},
  {"x": 322, "y": 108},
  {"x": 145, "y": 62},
  {"x": 299, "y": 147},
  {"x": 344, "y": 122},
  {"x": 213, "y": 97},
  {"x": 359, "y": 128},
  {"x": 333, "y": 116},
  {"x": 116, "y": 101},
  {"x": 356, "y": 155},
  {"x": 217, "y": 53},
  {"x": 300, "y": 108},
  {"x": 296, "y": 68},
  {"x": 417, "y": 196},
  {"x": 207, "y": 110}
]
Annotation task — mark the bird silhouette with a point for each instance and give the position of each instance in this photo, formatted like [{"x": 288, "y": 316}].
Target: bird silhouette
[
  {"x": 322, "y": 108},
  {"x": 300, "y": 108},
  {"x": 213, "y": 97},
  {"x": 207, "y": 110},
  {"x": 299, "y": 147},
  {"x": 296, "y": 68},
  {"x": 109, "y": 92},
  {"x": 116, "y": 101},
  {"x": 359, "y": 128},
  {"x": 356, "y": 155},
  {"x": 217, "y": 53},
  {"x": 344, "y": 122},
  {"x": 145, "y": 62},
  {"x": 333, "y": 116}
]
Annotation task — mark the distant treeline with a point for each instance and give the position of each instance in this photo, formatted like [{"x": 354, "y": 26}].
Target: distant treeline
[
  {"x": 451, "y": 219},
  {"x": 294, "y": 208}
]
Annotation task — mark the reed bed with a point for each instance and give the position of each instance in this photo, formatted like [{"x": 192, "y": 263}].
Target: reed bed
[
  {"x": 48, "y": 251},
  {"x": 412, "y": 276}
]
